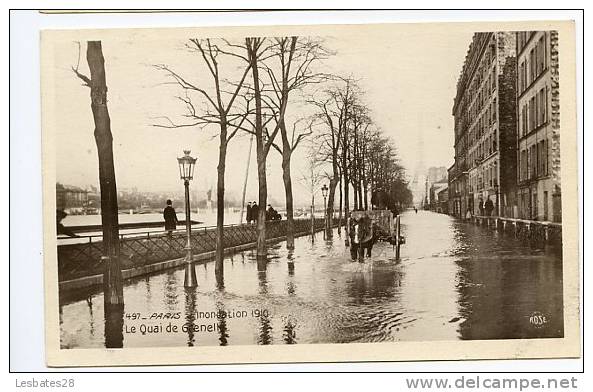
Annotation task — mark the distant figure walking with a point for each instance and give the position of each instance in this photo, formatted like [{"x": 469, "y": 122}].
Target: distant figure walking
[
  {"x": 415, "y": 210},
  {"x": 170, "y": 216},
  {"x": 61, "y": 229},
  {"x": 249, "y": 213},
  {"x": 481, "y": 206},
  {"x": 488, "y": 206}
]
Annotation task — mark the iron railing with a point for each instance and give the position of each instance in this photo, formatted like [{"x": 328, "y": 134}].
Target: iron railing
[
  {"x": 83, "y": 258},
  {"x": 533, "y": 231}
]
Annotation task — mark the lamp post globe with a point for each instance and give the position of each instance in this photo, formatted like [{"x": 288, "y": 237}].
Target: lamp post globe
[{"x": 186, "y": 173}]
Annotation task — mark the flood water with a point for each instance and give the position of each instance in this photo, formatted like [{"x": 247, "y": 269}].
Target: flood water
[{"x": 454, "y": 281}]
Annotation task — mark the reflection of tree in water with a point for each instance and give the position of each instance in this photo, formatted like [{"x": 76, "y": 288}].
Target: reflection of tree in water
[
  {"x": 170, "y": 291},
  {"x": 290, "y": 285},
  {"x": 265, "y": 330},
  {"x": 89, "y": 302},
  {"x": 148, "y": 289},
  {"x": 289, "y": 334},
  {"x": 290, "y": 261},
  {"x": 262, "y": 282},
  {"x": 114, "y": 325},
  {"x": 190, "y": 314},
  {"x": 222, "y": 325}
]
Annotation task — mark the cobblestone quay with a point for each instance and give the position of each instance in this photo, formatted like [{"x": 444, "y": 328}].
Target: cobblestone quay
[{"x": 146, "y": 252}]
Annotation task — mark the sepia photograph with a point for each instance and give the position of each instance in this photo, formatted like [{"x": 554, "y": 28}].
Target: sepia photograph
[{"x": 359, "y": 192}]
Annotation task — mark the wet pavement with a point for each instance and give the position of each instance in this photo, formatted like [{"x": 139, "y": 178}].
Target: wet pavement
[{"x": 454, "y": 281}]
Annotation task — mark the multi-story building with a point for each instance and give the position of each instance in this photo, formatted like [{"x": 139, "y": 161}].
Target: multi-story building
[
  {"x": 434, "y": 191},
  {"x": 443, "y": 201},
  {"x": 485, "y": 127},
  {"x": 71, "y": 199},
  {"x": 538, "y": 110}
]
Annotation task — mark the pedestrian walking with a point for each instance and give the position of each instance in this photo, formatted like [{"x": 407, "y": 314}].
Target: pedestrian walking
[
  {"x": 249, "y": 213},
  {"x": 481, "y": 206},
  {"x": 170, "y": 217}
]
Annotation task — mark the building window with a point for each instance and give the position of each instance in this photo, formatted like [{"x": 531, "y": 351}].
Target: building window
[
  {"x": 521, "y": 77},
  {"x": 543, "y": 158},
  {"x": 532, "y": 65},
  {"x": 542, "y": 111},
  {"x": 541, "y": 55},
  {"x": 545, "y": 205},
  {"x": 523, "y": 166}
]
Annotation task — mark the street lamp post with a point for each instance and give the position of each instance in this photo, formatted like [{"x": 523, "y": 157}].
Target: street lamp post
[
  {"x": 186, "y": 172},
  {"x": 324, "y": 193}
]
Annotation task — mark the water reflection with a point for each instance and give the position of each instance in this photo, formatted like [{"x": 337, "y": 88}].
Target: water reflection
[
  {"x": 289, "y": 333},
  {"x": 265, "y": 329},
  {"x": 290, "y": 261},
  {"x": 190, "y": 314},
  {"x": 454, "y": 281},
  {"x": 114, "y": 325},
  {"x": 170, "y": 290},
  {"x": 222, "y": 324},
  {"x": 500, "y": 290}
]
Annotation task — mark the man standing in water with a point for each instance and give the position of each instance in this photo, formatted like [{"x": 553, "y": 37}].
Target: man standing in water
[{"x": 170, "y": 216}]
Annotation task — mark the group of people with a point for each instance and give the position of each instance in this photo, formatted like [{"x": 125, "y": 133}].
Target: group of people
[
  {"x": 253, "y": 211},
  {"x": 485, "y": 208}
]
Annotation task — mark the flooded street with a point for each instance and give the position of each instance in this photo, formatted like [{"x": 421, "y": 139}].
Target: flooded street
[{"x": 454, "y": 281}]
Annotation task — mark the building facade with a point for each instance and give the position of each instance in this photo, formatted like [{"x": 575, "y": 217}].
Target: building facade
[
  {"x": 443, "y": 201},
  {"x": 484, "y": 110},
  {"x": 71, "y": 199},
  {"x": 538, "y": 146}
]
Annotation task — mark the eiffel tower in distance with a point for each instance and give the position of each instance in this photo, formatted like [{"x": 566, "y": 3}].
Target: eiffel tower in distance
[{"x": 418, "y": 183}]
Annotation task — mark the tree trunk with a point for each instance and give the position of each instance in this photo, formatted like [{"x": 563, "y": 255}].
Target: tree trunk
[
  {"x": 261, "y": 161},
  {"x": 333, "y": 183},
  {"x": 312, "y": 215},
  {"x": 359, "y": 184},
  {"x": 366, "y": 195},
  {"x": 355, "y": 194},
  {"x": 340, "y": 205},
  {"x": 112, "y": 277},
  {"x": 286, "y": 155},
  {"x": 345, "y": 181},
  {"x": 222, "y": 149}
]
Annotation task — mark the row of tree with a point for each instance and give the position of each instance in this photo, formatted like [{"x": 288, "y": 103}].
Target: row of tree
[
  {"x": 360, "y": 158},
  {"x": 253, "y": 83}
]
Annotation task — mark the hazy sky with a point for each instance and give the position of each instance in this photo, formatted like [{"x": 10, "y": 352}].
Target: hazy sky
[{"x": 409, "y": 81}]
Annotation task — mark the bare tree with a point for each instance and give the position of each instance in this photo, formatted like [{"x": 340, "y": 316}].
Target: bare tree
[
  {"x": 112, "y": 277},
  {"x": 335, "y": 114},
  {"x": 223, "y": 108},
  {"x": 312, "y": 177},
  {"x": 290, "y": 69},
  {"x": 257, "y": 52}
]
